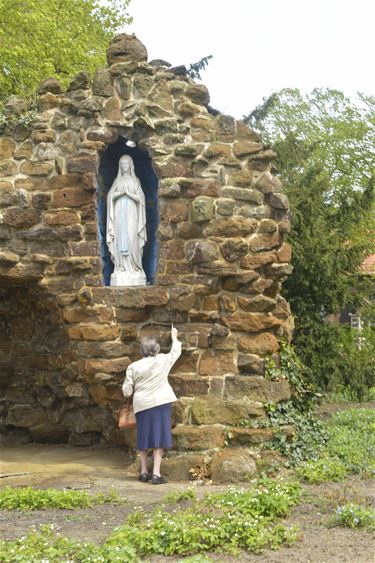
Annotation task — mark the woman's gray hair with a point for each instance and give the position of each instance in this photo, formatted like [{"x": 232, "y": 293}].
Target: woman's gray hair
[{"x": 149, "y": 347}]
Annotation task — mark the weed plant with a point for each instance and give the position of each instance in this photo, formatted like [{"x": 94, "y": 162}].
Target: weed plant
[
  {"x": 354, "y": 516},
  {"x": 229, "y": 521},
  {"x": 27, "y": 498}
]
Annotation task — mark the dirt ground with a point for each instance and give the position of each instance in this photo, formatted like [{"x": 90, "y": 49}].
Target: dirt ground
[{"x": 97, "y": 470}]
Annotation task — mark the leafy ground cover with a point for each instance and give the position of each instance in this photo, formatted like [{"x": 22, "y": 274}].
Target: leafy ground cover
[
  {"x": 228, "y": 521},
  {"x": 28, "y": 498},
  {"x": 350, "y": 448}
]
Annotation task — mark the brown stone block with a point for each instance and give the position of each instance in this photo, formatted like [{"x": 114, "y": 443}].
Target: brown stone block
[
  {"x": 75, "y": 264},
  {"x": 24, "y": 151},
  {"x": 193, "y": 187},
  {"x": 250, "y": 364},
  {"x": 41, "y": 200},
  {"x": 256, "y": 388},
  {"x": 103, "y": 349},
  {"x": 249, "y": 322},
  {"x": 244, "y": 132},
  {"x": 225, "y": 128},
  {"x": 173, "y": 168},
  {"x": 284, "y": 254},
  {"x": 92, "y": 331},
  {"x": 186, "y": 363},
  {"x": 267, "y": 226},
  {"x": 228, "y": 303},
  {"x": 8, "y": 258},
  {"x": 202, "y": 438},
  {"x": 125, "y": 48},
  {"x": 84, "y": 248},
  {"x": 224, "y": 343},
  {"x": 189, "y": 385},
  {"x": 210, "y": 409},
  {"x": 48, "y": 101},
  {"x": 82, "y": 163},
  {"x": 178, "y": 268},
  {"x": 7, "y": 148},
  {"x": 184, "y": 302},
  {"x": 233, "y": 465},
  {"x": 241, "y": 178},
  {"x": 279, "y": 271},
  {"x": 70, "y": 232},
  {"x": 232, "y": 249},
  {"x": 129, "y": 333},
  {"x": 8, "y": 168},
  {"x": 243, "y": 148},
  {"x": 64, "y": 217},
  {"x": 265, "y": 242},
  {"x": 174, "y": 211},
  {"x": 132, "y": 315},
  {"x": 187, "y": 230},
  {"x": 217, "y": 150},
  {"x": 105, "y": 394},
  {"x": 114, "y": 365},
  {"x": 217, "y": 363},
  {"x": 172, "y": 250},
  {"x": 71, "y": 197},
  {"x": 247, "y": 436},
  {"x": 210, "y": 303},
  {"x": 21, "y": 217},
  {"x": 254, "y": 261},
  {"x": 35, "y": 168},
  {"x": 79, "y": 315},
  {"x": 26, "y": 415},
  {"x": 46, "y": 136},
  {"x": 260, "y": 303},
  {"x": 201, "y": 251},
  {"x": 243, "y": 194},
  {"x": 231, "y": 227}
]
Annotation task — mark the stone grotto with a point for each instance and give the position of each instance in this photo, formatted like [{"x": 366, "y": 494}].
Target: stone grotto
[{"x": 214, "y": 261}]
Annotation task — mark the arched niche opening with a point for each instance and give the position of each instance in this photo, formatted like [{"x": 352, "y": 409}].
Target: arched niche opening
[{"x": 107, "y": 173}]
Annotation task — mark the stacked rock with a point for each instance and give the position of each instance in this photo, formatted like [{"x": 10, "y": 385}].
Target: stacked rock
[{"x": 222, "y": 256}]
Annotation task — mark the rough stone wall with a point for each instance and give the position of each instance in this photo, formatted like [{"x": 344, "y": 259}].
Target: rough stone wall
[{"x": 68, "y": 339}]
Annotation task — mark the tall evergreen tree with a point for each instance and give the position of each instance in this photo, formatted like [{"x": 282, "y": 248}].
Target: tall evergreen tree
[{"x": 326, "y": 147}]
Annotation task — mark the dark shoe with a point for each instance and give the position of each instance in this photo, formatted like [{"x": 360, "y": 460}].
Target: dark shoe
[
  {"x": 144, "y": 477},
  {"x": 158, "y": 480}
]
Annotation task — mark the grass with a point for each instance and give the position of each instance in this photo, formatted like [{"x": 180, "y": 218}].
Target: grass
[
  {"x": 27, "y": 498},
  {"x": 350, "y": 448}
]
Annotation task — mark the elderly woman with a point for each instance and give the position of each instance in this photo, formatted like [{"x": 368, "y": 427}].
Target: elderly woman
[{"x": 148, "y": 380}]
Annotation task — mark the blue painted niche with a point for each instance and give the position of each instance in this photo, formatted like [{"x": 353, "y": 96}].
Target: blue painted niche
[{"x": 107, "y": 173}]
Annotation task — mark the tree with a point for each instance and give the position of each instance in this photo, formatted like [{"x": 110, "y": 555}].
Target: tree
[
  {"x": 43, "y": 38},
  {"x": 326, "y": 147}
]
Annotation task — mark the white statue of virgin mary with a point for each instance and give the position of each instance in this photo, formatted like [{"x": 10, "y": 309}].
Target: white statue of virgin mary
[{"x": 126, "y": 226}]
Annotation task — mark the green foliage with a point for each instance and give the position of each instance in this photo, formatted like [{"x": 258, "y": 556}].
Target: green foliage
[
  {"x": 27, "y": 498},
  {"x": 188, "y": 494},
  {"x": 310, "y": 436},
  {"x": 236, "y": 519},
  {"x": 42, "y": 38},
  {"x": 226, "y": 521},
  {"x": 195, "y": 69},
  {"x": 354, "y": 516},
  {"x": 350, "y": 448},
  {"x": 338, "y": 357},
  {"x": 323, "y": 469},
  {"x": 326, "y": 147},
  {"x": 45, "y": 545}
]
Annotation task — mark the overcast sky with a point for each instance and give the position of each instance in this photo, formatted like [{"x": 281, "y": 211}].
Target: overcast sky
[{"x": 260, "y": 46}]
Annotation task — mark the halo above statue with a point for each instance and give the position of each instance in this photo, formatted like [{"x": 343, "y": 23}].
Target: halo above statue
[{"x": 126, "y": 226}]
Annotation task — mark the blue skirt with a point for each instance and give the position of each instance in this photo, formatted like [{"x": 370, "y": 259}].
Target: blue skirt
[{"x": 154, "y": 428}]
